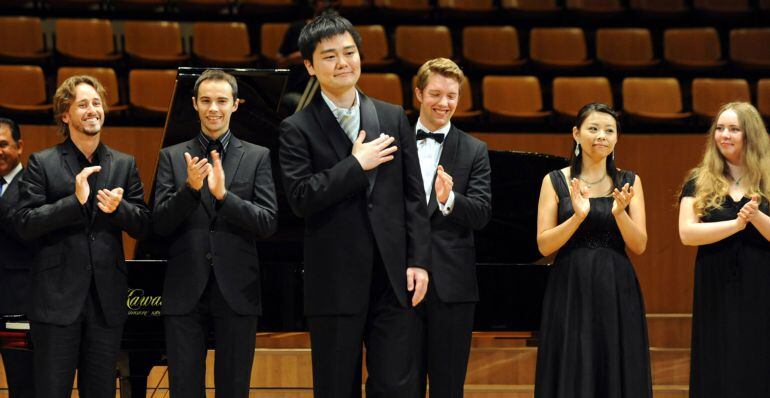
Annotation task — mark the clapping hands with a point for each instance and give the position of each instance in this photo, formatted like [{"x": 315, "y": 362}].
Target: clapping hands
[
  {"x": 748, "y": 211},
  {"x": 579, "y": 195},
  {"x": 622, "y": 199}
]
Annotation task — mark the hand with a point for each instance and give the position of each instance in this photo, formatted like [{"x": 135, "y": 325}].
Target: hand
[
  {"x": 197, "y": 170},
  {"x": 216, "y": 178},
  {"x": 109, "y": 200},
  {"x": 82, "y": 189},
  {"x": 375, "y": 152},
  {"x": 580, "y": 203},
  {"x": 443, "y": 185},
  {"x": 622, "y": 199},
  {"x": 417, "y": 281},
  {"x": 748, "y": 211}
]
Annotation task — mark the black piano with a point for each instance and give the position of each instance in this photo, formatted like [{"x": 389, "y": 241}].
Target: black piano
[{"x": 511, "y": 283}]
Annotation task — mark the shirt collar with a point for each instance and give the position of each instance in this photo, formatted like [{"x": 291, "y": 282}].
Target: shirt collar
[
  {"x": 9, "y": 177},
  {"x": 336, "y": 110},
  {"x": 444, "y": 130},
  {"x": 81, "y": 156},
  {"x": 224, "y": 139}
]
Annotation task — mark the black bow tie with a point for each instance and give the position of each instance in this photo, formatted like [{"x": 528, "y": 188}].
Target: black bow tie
[{"x": 422, "y": 134}]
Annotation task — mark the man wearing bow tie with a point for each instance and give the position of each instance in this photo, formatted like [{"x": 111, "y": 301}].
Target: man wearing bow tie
[
  {"x": 456, "y": 177},
  {"x": 214, "y": 197},
  {"x": 350, "y": 168}
]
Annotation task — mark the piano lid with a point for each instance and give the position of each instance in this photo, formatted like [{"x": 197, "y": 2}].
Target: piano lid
[
  {"x": 259, "y": 113},
  {"x": 510, "y": 237}
]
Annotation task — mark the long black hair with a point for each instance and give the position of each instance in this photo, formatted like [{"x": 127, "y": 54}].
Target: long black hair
[{"x": 576, "y": 163}]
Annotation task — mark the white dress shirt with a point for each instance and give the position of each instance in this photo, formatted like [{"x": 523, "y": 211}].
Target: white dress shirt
[
  {"x": 9, "y": 177},
  {"x": 429, "y": 152}
]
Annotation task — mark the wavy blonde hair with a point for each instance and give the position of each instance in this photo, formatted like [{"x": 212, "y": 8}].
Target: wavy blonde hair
[
  {"x": 65, "y": 94},
  {"x": 711, "y": 175}
]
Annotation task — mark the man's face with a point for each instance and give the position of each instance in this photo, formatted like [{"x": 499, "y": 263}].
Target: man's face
[
  {"x": 336, "y": 63},
  {"x": 215, "y": 104},
  {"x": 10, "y": 151},
  {"x": 86, "y": 114},
  {"x": 438, "y": 100}
]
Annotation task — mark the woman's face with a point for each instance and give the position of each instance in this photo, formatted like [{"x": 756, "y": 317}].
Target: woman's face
[
  {"x": 597, "y": 135},
  {"x": 728, "y": 136}
]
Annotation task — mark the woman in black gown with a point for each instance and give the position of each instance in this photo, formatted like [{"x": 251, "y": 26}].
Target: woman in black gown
[
  {"x": 593, "y": 335},
  {"x": 724, "y": 211}
]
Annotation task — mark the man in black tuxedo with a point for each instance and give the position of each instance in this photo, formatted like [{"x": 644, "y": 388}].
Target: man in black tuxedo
[
  {"x": 76, "y": 199},
  {"x": 350, "y": 168},
  {"x": 15, "y": 257},
  {"x": 213, "y": 209},
  {"x": 456, "y": 175}
]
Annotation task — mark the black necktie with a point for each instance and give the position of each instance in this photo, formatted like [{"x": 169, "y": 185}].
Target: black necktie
[
  {"x": 422, "y": 134},
  {"x": 215, "y": 145}
]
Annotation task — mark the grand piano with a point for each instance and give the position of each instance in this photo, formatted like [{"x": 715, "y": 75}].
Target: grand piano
[{"x": 510, "y": 280}]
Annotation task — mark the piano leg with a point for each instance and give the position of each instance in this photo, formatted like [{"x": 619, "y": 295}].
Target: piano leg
[{"x": 133, "y": 369}]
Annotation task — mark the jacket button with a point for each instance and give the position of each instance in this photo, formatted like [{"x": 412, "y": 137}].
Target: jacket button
[
  {"x": 371, "y": 206},
  {"x": 91, "y": 236},
  {"x": 208, "y": 256}
]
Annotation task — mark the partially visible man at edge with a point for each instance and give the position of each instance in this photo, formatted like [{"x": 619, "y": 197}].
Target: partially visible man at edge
[{"x": 15, "y": 256}]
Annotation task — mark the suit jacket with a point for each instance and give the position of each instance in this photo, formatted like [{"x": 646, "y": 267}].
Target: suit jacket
[
  {"x": 345, "y": 218},
  {"x": 15, "y": 255},
  {"x": 222, "y": 237},
  {"x": 453, "y": 275},
  {"x": 76, "y": 247}
]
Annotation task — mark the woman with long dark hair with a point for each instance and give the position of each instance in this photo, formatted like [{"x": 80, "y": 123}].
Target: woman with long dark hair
[
  {"x": 593, "y": 336},
  {"x": 724, "y": 211}
]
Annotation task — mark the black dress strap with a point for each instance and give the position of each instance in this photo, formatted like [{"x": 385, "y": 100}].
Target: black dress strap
[{"x": 559, "y": 182}]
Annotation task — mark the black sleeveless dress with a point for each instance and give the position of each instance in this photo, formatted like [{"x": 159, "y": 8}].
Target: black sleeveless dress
[
  {"x": 731, "y": 311},
  {"x": 593, "y": 335}
]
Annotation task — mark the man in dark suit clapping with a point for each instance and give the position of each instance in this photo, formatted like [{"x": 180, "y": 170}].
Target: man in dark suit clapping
[
  {"x": 214, "y": 197},
  {"x": 75, "y": 201},
  {"x": 456, "y": 177},
  {"x": 15, "y": 256}
]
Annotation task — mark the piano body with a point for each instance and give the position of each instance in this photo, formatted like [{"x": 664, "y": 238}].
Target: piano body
[{"x": 511, "y": 284}]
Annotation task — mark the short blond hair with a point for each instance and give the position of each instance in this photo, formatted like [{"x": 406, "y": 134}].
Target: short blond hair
[
  {"x": 65, "y": 94},
  {"x": 442, "y": 66}
]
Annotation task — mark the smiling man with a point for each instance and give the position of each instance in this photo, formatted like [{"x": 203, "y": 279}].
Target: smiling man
[
  {"x": 350, "y": 168},
  {"x": 214, "y": 197},
  {"x": 456, "y": 176},
  {"x": 75, "y": 201}
]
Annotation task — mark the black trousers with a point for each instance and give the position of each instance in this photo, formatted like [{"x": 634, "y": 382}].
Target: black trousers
[
  {"x": 18, "y": 373},
  {"x": 186, "y": 337},
  {"x": 388, "y": 331},
  {"x": 446, "y": 330},
  {"x": 88, "y": 345}
]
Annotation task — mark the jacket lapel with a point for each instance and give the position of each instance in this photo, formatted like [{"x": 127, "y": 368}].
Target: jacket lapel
[
  {"x": 102, "y": 177},
  {"x": 70, "y": 159},
  {"x": 194, "y": 149},
  {"x": 232, "y": 159},
  {"x": 370, "y": 123},
  {"x": 12, "y": 190},
  {"x": 447, "y": 160},
  {"x": 330, "y": 128}
]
